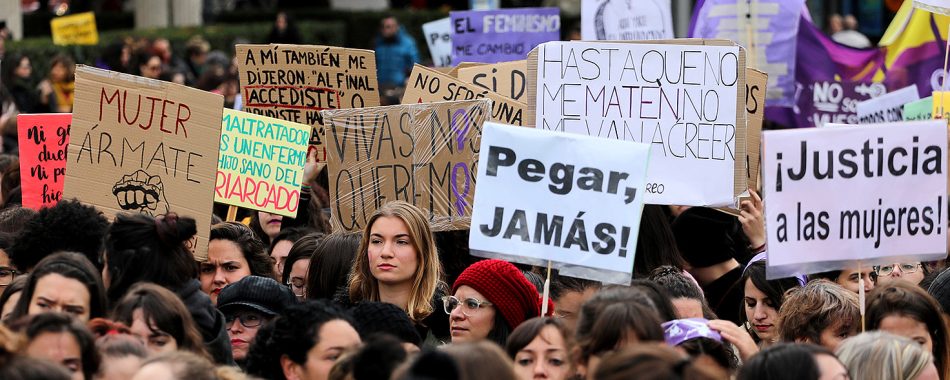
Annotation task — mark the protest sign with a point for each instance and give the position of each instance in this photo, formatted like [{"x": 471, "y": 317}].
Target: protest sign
[
  {"x": 767, "y": 28},
  {"x": 871, "y": 194},
  {"x": 296, "y": 82},
  {"x": 260, "y": 162},
  {"x": 502, "y": 35},
  {"x": 427, "y": 85},
  {"x": 886, "y": 108},
  {"x": 685, "y": 99},
  {"x": 570, "y": 199},
  {"x": 919, "y": 110},
  {"x": 143, "y": 145},
  {"x": 438, "y": 36},
  {"x": 508, "y": 79},
  {"x": 941, "y": 98},
  {"x": 756, "y": 88},
  {"x": 42, "y": 140},
  {"x": 616, "y": 20},
  {"x": 424, "y": 154},
  {"x": 76, "y": 29},
  {"x": 935, "y": 6}
]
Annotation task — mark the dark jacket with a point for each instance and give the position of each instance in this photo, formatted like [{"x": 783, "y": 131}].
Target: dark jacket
[
  {"x": 433, "y": 328},
  {"x": 210, "y": 322}
]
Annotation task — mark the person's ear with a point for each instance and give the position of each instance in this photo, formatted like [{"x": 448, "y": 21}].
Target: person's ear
[{"x": 290, "y": 368}]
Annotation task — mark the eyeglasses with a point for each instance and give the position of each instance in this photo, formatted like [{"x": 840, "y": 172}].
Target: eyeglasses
[
  {"x": 885, "y": 270},
  {"x": 469, "y": 305},
  {"x": 7, "y": 275},
  {"x": 248, "y": 320}
]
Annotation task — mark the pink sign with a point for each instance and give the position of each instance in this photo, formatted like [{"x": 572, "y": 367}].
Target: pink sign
[{"x": 43, "y": 141}]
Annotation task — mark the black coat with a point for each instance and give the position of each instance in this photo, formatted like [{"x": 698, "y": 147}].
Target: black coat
[{"x": 210, "y": 322}]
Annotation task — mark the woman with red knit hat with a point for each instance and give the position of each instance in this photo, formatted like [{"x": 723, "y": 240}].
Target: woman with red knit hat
[{"x": 491, "y": 298}]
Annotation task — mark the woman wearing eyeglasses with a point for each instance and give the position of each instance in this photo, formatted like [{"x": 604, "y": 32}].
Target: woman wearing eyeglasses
[
  {"x": 910, "y": 272},
  {"x": 490, "y": 299},
  {"x": 397, "y": 262},
  {"x": 248, "y": 304}
]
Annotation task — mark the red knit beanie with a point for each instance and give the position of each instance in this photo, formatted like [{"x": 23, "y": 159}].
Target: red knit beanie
[{"x": 505, "y": 287}]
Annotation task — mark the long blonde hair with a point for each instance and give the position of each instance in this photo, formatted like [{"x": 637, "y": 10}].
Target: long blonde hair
[{"x": 425, "y": 281}]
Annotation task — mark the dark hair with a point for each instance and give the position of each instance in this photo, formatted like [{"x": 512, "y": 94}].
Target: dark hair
[
  {"x": 500, "y": 330},
  {"x": 592, "y": 309},
  {"x": 661, "y": 301},
  {"x": 784, "y": 361},
  {"x": 70, "y": 265},
  {"x": 378, "y": 358},
  {"x": 481, "y": 360},
  {"x": 164, "y": 312},
  {"x": 14, "y": 219},
  {"x": 902, "y": 298},
  {"x": 654, "y": 362},
  {"x": 561, "y": 285},
  {"x": 330, "y": 265},
  {"x": 535, "y": 279},
  {"x": 774, "y": 290},
  {"x": 528, "y": 330},
  {"x": 292, "y": 334},
  {"x": 676, "y": 285},
  {"x": 63, "y": 323},
  {"x": 68, "y": 63},
  {"x": 258, "y": 230},
  {"x": 258, "y": 261},
  {"x": 303, "y": 248},
  {"x": 17, "y": 285},
  {"x": 615, "y": 323},
  {"x": 67, "y": 226},
  {"x": 656, "y": 245},
  {"x": 143, "y": 248},
  {"x": 289, "y": 234},
  {"x": 720, "y": 351},
  {"x": 120, "y": 346},
  {"x": 18, "y": 367}
]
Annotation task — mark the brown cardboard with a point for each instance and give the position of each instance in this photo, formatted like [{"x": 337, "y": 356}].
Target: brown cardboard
[
  {"x": 427, "y": 85},
  {"x": 143, "y": 145},
  {"x": 331, "y": 77},
  {"x": 508, "y": 79},
  {"x": 755, "y": 107},
  {"x": 455, "y": 69},
  {"x": 424, "y": 154},
  {"x": 740, "y": 181}
]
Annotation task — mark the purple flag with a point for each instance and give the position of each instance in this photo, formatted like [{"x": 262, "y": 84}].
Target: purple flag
[{"x": 502, "y": 35}]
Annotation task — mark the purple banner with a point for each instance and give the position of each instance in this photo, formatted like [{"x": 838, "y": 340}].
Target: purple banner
[
  {"x": 831, "y": 78},
  {"x": 502, "y": 35},
  {"x": 774, "y": 30}
]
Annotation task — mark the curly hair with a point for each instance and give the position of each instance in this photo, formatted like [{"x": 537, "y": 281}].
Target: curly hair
[
  {"x": 14, "y": 219},
  {"x": 67, "y": 226},
  {"x": 252, "y": 248}
]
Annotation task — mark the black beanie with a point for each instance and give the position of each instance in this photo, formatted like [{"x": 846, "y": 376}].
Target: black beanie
[
  {"x": 940, "y": 289},
  {"x": 705, "y": 236},
  {"x": 381, "y": 317}
]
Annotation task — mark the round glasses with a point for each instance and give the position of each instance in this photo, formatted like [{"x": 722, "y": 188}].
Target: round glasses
[
  {"x": 248, "y": 320},
  {"x": 885, "y": 270},
  {"x": 7, "y": 275},
  {"x": 470, "y": 306}
]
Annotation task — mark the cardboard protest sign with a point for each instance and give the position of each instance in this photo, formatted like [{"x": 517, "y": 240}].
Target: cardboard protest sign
[
  {"x": 424, "y": 154},
  {"x": 438, "y": 36},
  {"x": 756, "y": 83},
  {"x": 871, "y": 194},
  {"x": 572, "y": 199},
  {"x": 42, "y": 140},
  {"x": 941, "y": 98},
  {"x": 143, "y": 145},
  {"x": 502, "y": 35},
  {"x": 919, "y": 110},
  {"x": 616, "y": 20},
  {"x": 76, "y": 29},
  {"x": 260, "y": 162},
  {"x": 888, "y": 107},
  {"x": 508, "y": 79},
  {"x": 685, "y": 99},
  {"x": 296, "y": 82},
  {"x": 427, "y": 85}
]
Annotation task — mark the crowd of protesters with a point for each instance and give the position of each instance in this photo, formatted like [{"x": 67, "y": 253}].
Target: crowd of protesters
[{"x": 84, "y": 297}]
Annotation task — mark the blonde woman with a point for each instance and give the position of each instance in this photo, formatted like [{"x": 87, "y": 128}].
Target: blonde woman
[
  {"x": 878, "y": 355},
  {"x": 397, "y": 262}
]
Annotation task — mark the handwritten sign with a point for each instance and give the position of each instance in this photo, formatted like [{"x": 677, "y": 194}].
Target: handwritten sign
[
  {"x": 502, "y": 35},
  {"x": 43, "y": 139},
  {"x": 888, "y": 107},
  {"x": 508, "y": 79},
  {"x": 296, "y": 82},
  {"x": 941, "y": 104},
  {"x": 142, "y": 145},
  {"x": 438, "y": 36},
  {"x": 260, "y": 162},
  {"x": 423, "y": 154},
  {"x": 581, "y": 211},
  {"x": 77, "y": 29},
  {"x": 686, "y": 101},
  {"x": 618, "y": 20},
  {"x": 919, "y": 110},
  {"x": 427, "y": 85},
  {"x": 756, "y": 86},
  {"x": 871, "y": 194}
]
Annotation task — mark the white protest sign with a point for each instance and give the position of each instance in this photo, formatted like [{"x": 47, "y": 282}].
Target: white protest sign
[
  {"x": 438, "y": 36},
  {"x": 886, "y": 108},
  {"x": 871, "y": 194},
  {"x": 625, "y": 20},
  {"x": 574, "y": 200},
  {"x": 680, "y": 99}
]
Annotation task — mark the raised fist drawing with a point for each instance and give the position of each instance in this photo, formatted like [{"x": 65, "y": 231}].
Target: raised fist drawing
[{"x": 141, "y": 192}]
